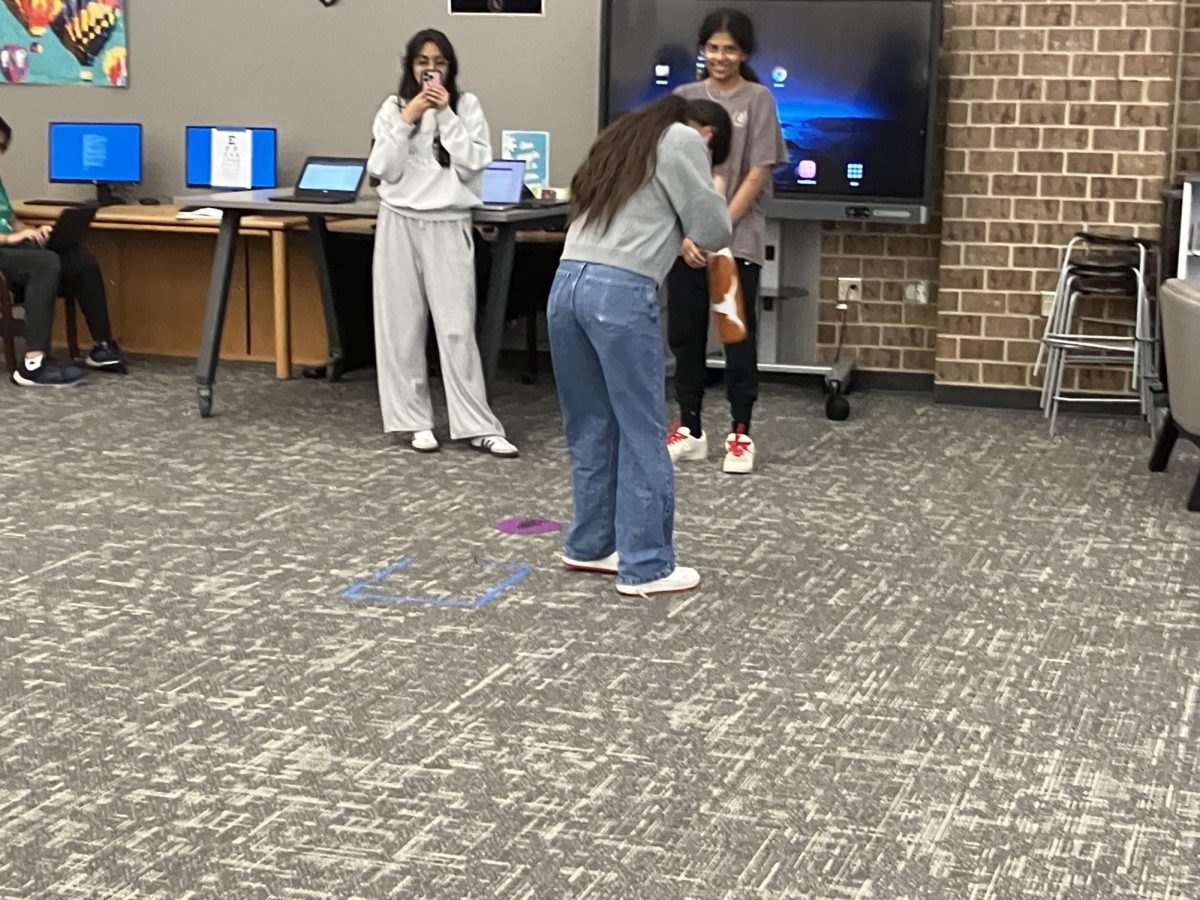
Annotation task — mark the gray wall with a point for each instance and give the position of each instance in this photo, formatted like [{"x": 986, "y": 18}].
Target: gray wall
[{"x": 316, "y": 74}]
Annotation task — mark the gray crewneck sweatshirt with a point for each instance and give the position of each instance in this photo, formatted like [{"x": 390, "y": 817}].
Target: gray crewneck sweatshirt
[
  {"x": 403, "y": 159},
  {"x": 677, "y": 201}
]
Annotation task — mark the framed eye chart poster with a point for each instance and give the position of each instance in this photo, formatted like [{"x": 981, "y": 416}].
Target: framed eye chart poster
[{"x": 495, "y": 7}]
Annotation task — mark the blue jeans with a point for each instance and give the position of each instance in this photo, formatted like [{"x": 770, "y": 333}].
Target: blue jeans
[{"x": 607, "y": 346}]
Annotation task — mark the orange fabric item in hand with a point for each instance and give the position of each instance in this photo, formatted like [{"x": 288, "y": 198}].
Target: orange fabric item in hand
[{"x": 725, "y": 297}]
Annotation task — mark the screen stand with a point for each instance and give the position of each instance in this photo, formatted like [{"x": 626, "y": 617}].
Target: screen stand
[
  {"x": 788, "y": 313},
  {"x": 105, "y": 195}
]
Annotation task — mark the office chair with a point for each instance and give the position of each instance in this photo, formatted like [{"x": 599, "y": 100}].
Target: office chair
[{"x": 1181, "y": 336}]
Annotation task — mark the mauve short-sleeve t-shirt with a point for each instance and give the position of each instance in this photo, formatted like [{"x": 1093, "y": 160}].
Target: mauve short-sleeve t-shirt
[{"x": 757, "y": 141}]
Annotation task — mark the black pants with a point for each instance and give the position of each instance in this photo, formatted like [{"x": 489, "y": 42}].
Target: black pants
[
  {"x": 687, "y": 333},
  {"x": 45, "y": 274}
]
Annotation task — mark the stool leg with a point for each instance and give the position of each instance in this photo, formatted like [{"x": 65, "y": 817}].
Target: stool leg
[{"x": 1194, "y": 499}]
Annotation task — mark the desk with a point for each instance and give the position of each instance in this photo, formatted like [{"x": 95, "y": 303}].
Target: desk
[
  {"x": 155, "y": 268},
  {"x": 238, "y": 204}
]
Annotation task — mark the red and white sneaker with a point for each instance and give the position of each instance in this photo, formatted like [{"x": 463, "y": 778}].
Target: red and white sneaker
[
  {"x": 739, "y": 453},
  {"x": 682, "y": 446}
]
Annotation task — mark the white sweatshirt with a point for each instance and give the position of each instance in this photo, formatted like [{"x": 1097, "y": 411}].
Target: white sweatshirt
[{"x": 413, "y": 183}]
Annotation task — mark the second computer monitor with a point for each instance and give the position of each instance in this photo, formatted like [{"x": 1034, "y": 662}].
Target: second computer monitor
[{"x": 199, "y": 167}]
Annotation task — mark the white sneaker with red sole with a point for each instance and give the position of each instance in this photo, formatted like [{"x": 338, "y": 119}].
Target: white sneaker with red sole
[
  {"x": 682, "y": 446},
  {"x": 739, "y": 454}
]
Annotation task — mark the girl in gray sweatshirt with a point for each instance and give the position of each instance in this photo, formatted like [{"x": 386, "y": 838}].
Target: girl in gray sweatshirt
[{"x": 645, "y": 186}]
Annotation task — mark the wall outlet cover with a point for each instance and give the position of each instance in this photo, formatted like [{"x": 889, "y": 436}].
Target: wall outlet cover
[{"x": 916, "y": 292}]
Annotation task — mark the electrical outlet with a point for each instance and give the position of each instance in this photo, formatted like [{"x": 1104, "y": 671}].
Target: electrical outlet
[
  {"x": 849, "y": 290},
  {"x": 1047, "y": 302},
  {"x": 916, "y": 292}
]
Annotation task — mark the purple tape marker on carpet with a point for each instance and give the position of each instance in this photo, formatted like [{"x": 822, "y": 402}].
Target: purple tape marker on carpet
[{"x": 519, "y": 525}]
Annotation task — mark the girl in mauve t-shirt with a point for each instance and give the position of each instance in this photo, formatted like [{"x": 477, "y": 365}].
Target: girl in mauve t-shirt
[{"x": 726, "y": 41}]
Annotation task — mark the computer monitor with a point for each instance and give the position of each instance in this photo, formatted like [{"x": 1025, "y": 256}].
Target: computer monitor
[
  {"x": 100, "y": 153},
  {"x": 198, "y": 153}
]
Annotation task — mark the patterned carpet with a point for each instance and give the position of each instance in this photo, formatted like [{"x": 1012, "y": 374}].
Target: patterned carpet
[{"x": 936, "y": 654}]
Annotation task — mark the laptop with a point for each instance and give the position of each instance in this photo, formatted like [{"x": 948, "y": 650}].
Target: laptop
[
  {"x": 504, "y": 187},
  {"x": 327, "y": 179},
  {"x": 502, "y": 183},
  {"x": 71, "y": 227}
]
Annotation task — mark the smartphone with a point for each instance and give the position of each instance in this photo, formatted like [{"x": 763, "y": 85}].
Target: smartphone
[{"x": 431, "y": 76}]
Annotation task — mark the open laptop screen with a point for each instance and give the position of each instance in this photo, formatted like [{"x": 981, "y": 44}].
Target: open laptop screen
[
  {"x": 503, "y": 180},
  {"x": 331, "y": 176}
]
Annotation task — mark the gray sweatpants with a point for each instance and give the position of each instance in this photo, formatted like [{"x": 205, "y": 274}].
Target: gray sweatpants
[{"x": 423, "y": 265}]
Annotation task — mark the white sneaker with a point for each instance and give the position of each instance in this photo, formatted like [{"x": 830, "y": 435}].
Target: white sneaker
[
  {"x": 424, "y": 441},
  {"x": 681, "y": 445},
  {"x": 495, "y": 445},
  {"x": 739, "y": 454},
  {"x": 680, "y": 581},
  {"x": 605, "y": 566}
]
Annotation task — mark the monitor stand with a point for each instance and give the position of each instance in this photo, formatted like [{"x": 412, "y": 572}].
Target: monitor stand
[
  {"x": 788, "y": 313},
  {"x": 105, "y": 195}
]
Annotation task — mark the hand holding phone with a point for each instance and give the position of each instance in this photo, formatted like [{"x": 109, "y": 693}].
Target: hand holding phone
[
  {"x": 415, "y": 108},
  {"x": 433, "y": 86}
]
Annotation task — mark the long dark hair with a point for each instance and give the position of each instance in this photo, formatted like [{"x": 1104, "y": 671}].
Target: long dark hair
[
  {"x": 716, "y": 117},
  {"x": 739, "y": 27},
  {"x": 409, "y": 87},
  {"x": 626, "y": 153}
]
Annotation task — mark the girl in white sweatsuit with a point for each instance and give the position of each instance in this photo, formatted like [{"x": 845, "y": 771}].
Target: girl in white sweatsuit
[{"x": 431, "y": 147}]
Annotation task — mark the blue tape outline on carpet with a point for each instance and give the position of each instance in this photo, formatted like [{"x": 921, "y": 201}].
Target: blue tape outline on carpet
[{"x": 361, "y": 590}]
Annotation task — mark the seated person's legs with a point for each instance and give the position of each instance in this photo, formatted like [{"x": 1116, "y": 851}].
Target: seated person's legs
[
  {"x": 37, "y": 271},
  {"x": 81, "y": 280}
]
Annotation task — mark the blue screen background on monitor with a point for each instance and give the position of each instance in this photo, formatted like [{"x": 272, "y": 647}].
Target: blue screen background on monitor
[
  {"x": 198, "y": 156},
  {"x": 85, "y": 152}
]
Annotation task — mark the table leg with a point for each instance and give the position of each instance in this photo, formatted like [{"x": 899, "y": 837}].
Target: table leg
[
  {"x": 214, "y": 311},
  {"x": 333, "y": 329},
  {"x": 283, "y": 313},
  {"x": 504, "y": 250}
]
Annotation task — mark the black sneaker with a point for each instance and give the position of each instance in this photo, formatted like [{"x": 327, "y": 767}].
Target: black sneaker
[
  {"x": 107, "y": 357},
  {"x": 44, "y": 373}
]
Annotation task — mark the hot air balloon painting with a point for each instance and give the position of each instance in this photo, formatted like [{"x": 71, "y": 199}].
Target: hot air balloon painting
[
  {"x": 74, "y": 41},
  {"x": 116, "y": 68},
  {"x": 34, "y": 15},
  {"x": 14, "y": 62}
]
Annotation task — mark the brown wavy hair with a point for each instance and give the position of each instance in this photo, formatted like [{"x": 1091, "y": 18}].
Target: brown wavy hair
[{"x": 624, "y": 156}]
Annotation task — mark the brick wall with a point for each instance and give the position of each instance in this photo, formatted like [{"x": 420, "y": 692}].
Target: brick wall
[
  {"x": 1187, "y": 133},
  {"x": 882, "y": 331},
  {"x": 1058, "y": 118}
]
